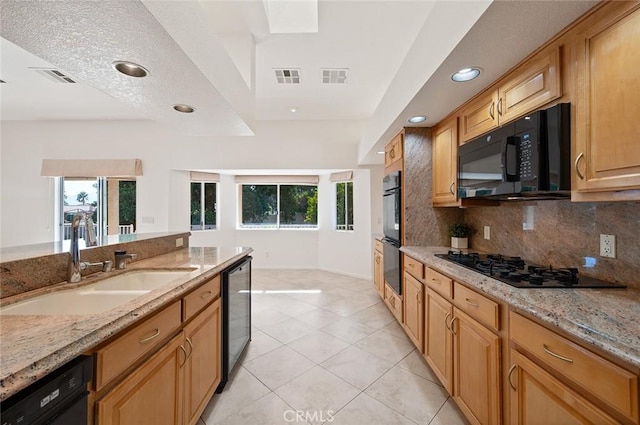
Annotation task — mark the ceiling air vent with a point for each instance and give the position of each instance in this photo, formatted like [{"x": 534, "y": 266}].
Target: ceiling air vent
[
  {"x": 54, "y": 75},
  {"x": 2, "y": 81},
  {"x": 334, "y": 76},
  {"x": 288, "y": 76}
]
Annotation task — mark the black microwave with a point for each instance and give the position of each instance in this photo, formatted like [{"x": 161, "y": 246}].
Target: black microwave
[{"x": 526, "y": 159}]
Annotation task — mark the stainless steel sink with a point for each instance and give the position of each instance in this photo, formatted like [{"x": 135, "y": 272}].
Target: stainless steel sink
[{"x": 96, "y": 297}]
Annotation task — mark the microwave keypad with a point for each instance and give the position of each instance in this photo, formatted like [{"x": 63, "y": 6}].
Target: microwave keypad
[{"x": 526, "y": 154}]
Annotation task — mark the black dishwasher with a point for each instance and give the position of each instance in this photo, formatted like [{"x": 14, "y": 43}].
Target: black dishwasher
[
  {"x": 60, "y": 398},
  {"x": 236, "y": 315}
]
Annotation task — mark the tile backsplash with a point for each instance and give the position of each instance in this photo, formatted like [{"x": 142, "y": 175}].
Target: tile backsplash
[{"x": 564, "y": 234}]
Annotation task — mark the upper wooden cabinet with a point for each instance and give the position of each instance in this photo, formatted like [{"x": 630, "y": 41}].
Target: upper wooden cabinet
[
  {"x": 529, "y": 87},
  {"x": 445, "y": 163},
  {"x": 607, "y": 150},
  {"x": 393, "y": 154}
]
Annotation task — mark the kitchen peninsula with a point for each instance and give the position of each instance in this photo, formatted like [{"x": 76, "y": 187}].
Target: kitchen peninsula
[{"x": 35, "y": 345}]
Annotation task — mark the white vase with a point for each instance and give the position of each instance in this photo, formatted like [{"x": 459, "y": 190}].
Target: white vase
[{"x": 460, "y": 243}]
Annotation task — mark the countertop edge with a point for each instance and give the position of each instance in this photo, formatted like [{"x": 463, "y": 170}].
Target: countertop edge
[
  {"x": 12, "y": 382},
  {"x": 532, "y": 303}
]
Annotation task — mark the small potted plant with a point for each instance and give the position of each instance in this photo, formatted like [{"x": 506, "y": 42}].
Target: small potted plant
[{"x": 459, "y": 233}]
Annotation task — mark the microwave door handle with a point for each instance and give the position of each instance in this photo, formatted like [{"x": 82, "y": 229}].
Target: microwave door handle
[{"x": 510, "y": 156}]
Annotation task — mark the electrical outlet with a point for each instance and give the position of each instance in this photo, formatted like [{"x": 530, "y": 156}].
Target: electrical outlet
[
  {"x": 487, "y": 232},
  {"x": 608, "y": 246},
  {"x": 179, "y": 242}
]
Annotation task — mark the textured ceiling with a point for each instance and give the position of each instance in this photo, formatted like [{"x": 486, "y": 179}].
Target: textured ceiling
[{"x": 219, "y": 57}]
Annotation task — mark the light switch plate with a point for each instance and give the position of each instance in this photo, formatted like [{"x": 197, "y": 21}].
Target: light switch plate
[{"x": 487, "y": 232}]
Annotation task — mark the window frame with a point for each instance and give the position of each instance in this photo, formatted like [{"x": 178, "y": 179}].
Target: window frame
[
  {"x": 277, "y": 226},
  {"x": 346, "y": 208},
  {"x": 202, "y": 202}
]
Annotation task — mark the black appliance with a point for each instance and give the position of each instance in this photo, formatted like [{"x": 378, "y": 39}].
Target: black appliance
[
  {"x": 526, "y": 159},
  {"x": 517, "y": 272},
  {"x": 60, "y": 398},
  {"x": 236, "y": 316},
  {"x": 392, "y": 219}
]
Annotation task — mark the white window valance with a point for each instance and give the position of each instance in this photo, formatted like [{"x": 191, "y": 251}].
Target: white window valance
[
  {"x": 199, "y": 176},
  {"x": 91, "y": 167},
  {"x": 278, "y": 179},
  {"x": 343, "y": 176}
]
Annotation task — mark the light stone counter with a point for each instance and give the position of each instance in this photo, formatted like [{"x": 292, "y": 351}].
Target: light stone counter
[
  {"x": 606, "y": 318},
  {"x": 33, "y": 346}
]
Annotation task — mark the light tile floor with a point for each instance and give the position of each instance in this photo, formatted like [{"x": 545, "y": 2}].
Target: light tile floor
[{"x": 325, "y": 349}]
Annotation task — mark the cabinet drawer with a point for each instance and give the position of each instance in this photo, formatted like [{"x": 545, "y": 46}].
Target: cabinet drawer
[
  {"x": 394, "y": 302},
  {"x": 438, "y": 282},
  {"x": 476, "y": 305},
  {"x": 378, "y": 246},
  {"x": 198, "y": 299},
  {"x": 118, "y": 355},
  {"x": 610, "y": 383},
  {"x": 414, "y": 268}
]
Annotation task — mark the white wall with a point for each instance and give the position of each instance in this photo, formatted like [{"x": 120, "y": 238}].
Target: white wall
[{"x": 27, "y": 202}]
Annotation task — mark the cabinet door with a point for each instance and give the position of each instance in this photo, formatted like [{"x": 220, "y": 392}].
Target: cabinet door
[
  {"x": 203, "y": 367},
  {"x": 534, "y": 391},
  {"x": 378, "y": 273},
  {"x": 476, "y": 370},
  {"x": 479, "y": 116},
  {"x": 607, "y": 155},
  {"x": 445, "y": 163},
  {"x": 532, "y": 86},
  {"x": 393, "y": 155},
  {"x": 152, "y": 394},
  {"x": 438, "y": 338},
  {"x": 414, "y": 310}
]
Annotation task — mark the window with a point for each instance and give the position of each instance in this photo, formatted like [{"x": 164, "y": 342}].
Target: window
[
  {"x": 279, "y": 206},
  {"x": 344, "y": 206},
  {"x": 203, "y": 206},
  {"x": 111, "y": 204}
]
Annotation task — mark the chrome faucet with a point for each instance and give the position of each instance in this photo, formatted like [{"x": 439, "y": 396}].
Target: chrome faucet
[
  {"x": 75, "y": 265},
  {"x": 122, "y": 258}
]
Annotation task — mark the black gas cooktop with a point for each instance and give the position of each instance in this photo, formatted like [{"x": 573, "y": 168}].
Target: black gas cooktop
[{"x": 517, "y": 272}]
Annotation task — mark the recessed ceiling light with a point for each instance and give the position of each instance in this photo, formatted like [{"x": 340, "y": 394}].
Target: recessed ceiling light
[
  {"x": 294, "y": 110},
  {"x": 131, "y": 69},
  {"x": 184, "y": 108},
  {"x": 466, "y": 74},
  {"x": 380, "y": 152},
  {"x": 417, "y": 119}
]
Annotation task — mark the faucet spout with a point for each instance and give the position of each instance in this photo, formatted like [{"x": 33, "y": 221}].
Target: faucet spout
[{"x": 73, "y": 271}]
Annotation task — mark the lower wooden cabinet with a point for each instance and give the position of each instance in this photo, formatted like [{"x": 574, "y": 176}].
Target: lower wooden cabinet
[
  {"x": 438, "y": 347},
  {"x": 539, "y": 398},
  {"x": 152, "y": 394},
  {"x": 394, "y": 302},
  {"x": 413, "y": 306},
  {"x": 476, "y": 370},
  {"x": 378, "y": 271},
  {"x": 202, "y": 369}
]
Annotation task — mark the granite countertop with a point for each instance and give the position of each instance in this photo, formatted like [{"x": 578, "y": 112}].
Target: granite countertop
[
  {"x": 33, "y": 346},
  {"x": 605, "y": 318}
]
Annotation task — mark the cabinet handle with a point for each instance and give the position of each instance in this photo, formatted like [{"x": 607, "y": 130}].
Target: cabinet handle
[
  {"x": 511, "y": 369},
  {"x": 493, "y": 104},
  {"x": 392, "y": 153},
  {"x": 190, "y": 348},
  {"x": 206, "y": 294},
  {"x": 377, "y": 260},
  {"x": 451, "y": 188},
  {"x": 453, "y": 331},
  {"x": 578, "y": 173},
  {"x": 558, "y": 356},
  {"x": 435, "y": 280},
  {"x": 445, "y": 322},
  {"x": 418, "y": 297},
  {"x": 500, "y": 106},
  {"x": 468, "y": 301},
  {"x": 185, "y": 355},
  {"x": 149, "y": 338}
]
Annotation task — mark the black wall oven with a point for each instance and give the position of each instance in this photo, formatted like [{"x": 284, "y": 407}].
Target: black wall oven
[{"x": 392, "y": 219}]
